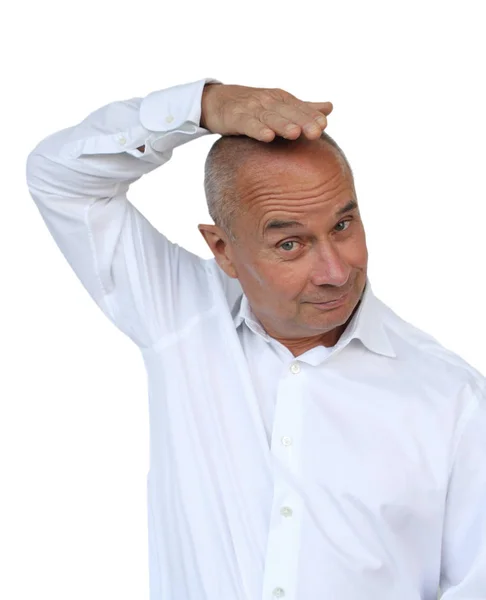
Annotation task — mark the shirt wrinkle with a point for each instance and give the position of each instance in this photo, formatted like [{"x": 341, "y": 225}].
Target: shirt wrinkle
[{"x": 322, "y": 476}]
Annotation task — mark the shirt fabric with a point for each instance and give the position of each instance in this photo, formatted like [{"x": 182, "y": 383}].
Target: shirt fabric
[{"x": 357, "y": 471}]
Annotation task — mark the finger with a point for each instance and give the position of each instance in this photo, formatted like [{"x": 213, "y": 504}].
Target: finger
[
  {"x": 323, "y": 107},
  {"x": 319, "y": 117},
  {"x": 317, "y": 110},
  {"x": 309, "y": 109},
  {"x": 280, "y": 125},
  {"x": 254, "y": 128},
  {"x": 311, "y": 121}
]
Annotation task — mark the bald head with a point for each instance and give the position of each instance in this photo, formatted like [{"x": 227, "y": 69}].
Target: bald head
[{"x": 228, "y": 158}]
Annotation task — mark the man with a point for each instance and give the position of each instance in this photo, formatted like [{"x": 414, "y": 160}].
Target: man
[{"x": 305, "y": 441}]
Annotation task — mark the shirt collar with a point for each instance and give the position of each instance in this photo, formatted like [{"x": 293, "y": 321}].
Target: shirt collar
[{"x": 367, "y": 324}]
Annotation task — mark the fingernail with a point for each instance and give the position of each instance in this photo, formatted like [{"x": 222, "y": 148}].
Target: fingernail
[
  {"x": 266, "y": 134},
  {"x": 291, "y": 128},
  {"x": 311, "y": 128},
  {"x": 322, "y": 121}
]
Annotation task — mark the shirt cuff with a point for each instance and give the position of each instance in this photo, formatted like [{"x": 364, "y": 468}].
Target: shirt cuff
[{"x": 171, "y": 108}]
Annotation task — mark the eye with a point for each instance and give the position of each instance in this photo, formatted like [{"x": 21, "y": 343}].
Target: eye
[
  {"x": 288, "y": 242},
  {"x": 295, "y": 242},
  {"x": 346, "y": 221}
]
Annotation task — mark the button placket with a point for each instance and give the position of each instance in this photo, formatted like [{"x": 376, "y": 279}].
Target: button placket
[{"x": 283, "y": 549}]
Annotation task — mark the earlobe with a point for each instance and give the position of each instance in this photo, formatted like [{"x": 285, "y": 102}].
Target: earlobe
[{"x": 229, "y": 270}]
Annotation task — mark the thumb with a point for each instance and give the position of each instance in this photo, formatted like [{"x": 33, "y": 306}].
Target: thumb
[{"x": 323, "y": 107}]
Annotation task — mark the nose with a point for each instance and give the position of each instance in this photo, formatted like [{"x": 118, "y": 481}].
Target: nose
[{"x": 330, "y": 268}]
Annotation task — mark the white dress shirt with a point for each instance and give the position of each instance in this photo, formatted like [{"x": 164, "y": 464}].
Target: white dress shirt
[{"x": 351, "y": 472}]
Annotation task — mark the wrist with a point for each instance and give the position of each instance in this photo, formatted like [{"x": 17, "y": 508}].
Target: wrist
[{"x": 208, "y": 89}]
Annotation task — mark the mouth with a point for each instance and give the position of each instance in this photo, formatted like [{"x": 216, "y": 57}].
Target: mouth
[{"x": 331, "y": 303}]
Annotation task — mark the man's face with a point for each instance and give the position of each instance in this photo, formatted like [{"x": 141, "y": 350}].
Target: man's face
[{"x": 284, "y": 271}]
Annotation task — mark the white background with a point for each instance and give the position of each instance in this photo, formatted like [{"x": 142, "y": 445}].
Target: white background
[{"x": 406, "y": 81}]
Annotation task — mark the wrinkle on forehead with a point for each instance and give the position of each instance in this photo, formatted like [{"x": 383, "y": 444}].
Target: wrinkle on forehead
[{"x": 280, "y": 181}]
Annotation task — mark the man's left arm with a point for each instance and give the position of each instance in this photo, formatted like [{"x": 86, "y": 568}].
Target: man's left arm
[{"x": 463, "y": 565}]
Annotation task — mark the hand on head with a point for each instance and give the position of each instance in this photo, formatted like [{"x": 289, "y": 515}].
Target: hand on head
[{"x": 261, "y": 113}]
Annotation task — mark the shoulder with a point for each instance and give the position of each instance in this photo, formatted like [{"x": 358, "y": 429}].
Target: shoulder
[{"x": 424, "y": 356}]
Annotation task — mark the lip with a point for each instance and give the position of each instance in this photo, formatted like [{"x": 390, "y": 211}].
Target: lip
[{"x": 332, "y": 304}]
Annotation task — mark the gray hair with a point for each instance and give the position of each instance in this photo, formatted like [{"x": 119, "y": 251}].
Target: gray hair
[{"x": 226, "y": 155}]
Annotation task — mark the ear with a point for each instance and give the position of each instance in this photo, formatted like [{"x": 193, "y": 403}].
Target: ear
[{"x": 220, "y": 246}]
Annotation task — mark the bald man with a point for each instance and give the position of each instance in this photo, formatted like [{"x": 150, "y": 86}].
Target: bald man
[{"x": 305, "y": 441}]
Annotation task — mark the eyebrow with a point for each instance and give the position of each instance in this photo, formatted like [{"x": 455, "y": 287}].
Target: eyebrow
[{"x": 278, "y": 224}]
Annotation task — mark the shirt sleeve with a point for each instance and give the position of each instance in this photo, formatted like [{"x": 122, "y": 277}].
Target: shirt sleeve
[
  {"x": 463, "y": 572},
  {"x": 79, "y": 178}
]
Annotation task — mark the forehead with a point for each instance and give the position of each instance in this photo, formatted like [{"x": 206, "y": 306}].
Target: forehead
[
  {"x": 284, "y": 186},
  {"x": 273, "y": 196},
  {"x": 279, "y": 225}
]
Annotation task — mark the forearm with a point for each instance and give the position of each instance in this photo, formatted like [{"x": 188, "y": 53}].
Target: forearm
[
  {"x": 100, "y": 153},
  {"x": 79, "y": 177}
]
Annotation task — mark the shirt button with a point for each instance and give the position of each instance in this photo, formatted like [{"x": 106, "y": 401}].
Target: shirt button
[
  {"x": 279, "y": 593},
  {"x": 295, "y": 368},
  {"x": 169, "y": 119},
  {"x": 122, "y": 140},
  {"x": 285, "y": 511},
  {"x": 286, "y": 441}
]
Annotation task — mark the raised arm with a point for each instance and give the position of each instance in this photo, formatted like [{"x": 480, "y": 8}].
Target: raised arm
[{"x": 79, "y": 178}]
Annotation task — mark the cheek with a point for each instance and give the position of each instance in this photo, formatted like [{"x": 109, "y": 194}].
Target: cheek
[
  {"x": 273, "y": 281},
  {"x": 254, "y": 274},
  {"x": 353, "y": 252},
  {"x": 287, "y": 285},
  {"x": 282, "y": 281},
  {"x": 360, "y": 249},
  {"x": 360, "y": 257}
]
